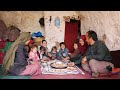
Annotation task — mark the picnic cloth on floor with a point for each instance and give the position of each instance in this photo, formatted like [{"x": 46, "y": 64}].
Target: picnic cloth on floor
[{"x": 47, "y": 69}]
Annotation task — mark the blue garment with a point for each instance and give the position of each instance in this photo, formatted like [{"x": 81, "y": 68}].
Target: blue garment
[
  {"x": 37, "y": 34},
  {"x": 62, "y": 53},
  {"x": 54, "y": 55}
]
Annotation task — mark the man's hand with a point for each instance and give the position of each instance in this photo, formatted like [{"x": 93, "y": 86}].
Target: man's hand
[{"x": 84, "y": 60}]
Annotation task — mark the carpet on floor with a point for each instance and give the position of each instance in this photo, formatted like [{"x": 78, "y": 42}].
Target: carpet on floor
[
  {"x": 14, "y": 77},
  {"x": 114, "y": 75},
  {"x": 69, "y": 76},
  {"x": 78, "y": 76}
]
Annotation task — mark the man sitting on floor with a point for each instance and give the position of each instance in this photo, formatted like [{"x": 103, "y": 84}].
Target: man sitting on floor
[{"x": 97, "y": 59}]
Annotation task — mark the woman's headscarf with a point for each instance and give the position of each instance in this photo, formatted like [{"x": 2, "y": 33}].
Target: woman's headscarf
[
  {"x": 10, "y": 53},
  {"x": 83, "y": 48}
]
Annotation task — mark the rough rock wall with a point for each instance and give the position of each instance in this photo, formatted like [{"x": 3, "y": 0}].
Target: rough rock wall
[
  {"x": 105, "y": 23},
  {"x": 24, "y": 20},
  {"x": 55, "y": 34}
]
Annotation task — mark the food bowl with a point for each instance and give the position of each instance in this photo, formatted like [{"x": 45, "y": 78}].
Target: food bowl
[{"x": 58, "y": 65}]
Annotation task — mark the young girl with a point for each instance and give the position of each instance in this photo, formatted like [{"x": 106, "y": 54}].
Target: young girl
[
  {"x": 76, "y": 51},
  {"x": 53, "y": 53},
  {"x": 33, "y": 55},
  {"x": 42, "y": 53}
]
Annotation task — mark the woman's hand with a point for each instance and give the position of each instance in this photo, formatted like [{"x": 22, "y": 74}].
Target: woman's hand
[{"x": 69, "y": 53}]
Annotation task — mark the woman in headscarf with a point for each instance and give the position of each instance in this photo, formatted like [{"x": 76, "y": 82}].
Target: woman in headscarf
[
  {"x": 80, "y": 50},
  {"x": 15, "y": 60},
  {"x": 82, "y": 45}
]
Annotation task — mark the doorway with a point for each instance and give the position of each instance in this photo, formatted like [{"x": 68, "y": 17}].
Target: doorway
[{"x": 72, "y": 33}]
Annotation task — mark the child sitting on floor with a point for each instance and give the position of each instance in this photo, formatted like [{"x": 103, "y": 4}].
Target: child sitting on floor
[
  {"x": 33, "y": 55},
  {"x": 63, "y": 52},
  {"x": 53, "y": 54},
  {"x": 42, "y": 52}
]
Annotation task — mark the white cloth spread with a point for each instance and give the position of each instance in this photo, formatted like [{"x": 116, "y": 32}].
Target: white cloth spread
[{"x": 47, "y": 69}]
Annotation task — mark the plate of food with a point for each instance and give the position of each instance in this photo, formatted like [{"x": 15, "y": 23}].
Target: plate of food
[{"x": 58, "y": 65}]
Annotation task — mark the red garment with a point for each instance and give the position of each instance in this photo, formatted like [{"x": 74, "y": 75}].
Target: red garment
[
  {"x": 76, "y": 52},
  {"x": 31, "y": 42},
  {"x": 1, "y": 57},
  {"x": 83, "y": 48},
  {"x": 83, "y": 38},
  {"x": 2, "y": 44}
]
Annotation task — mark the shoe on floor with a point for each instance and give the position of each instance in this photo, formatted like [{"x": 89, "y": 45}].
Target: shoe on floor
[
  {"x": 95, "y": 75},
  {"x": 116, "y": 70}
]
